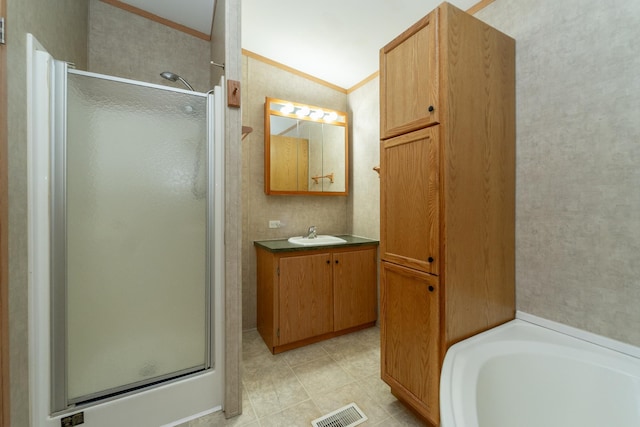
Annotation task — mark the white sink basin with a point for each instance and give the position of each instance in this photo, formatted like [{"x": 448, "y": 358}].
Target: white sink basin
[{"x": 319, "y": 240}]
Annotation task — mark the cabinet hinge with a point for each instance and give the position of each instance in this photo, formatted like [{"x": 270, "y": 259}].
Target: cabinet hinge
[
  {"x": 278, "y": 333},
  {"x": 2, "y": 30},
  {"x": 278, "y": 271}
]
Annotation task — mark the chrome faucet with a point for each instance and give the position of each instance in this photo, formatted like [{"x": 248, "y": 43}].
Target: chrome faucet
[{"x": 312, "y": 232}]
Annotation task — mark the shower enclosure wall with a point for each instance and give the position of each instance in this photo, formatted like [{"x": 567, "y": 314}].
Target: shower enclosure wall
[{"x": 134, "y": 246}]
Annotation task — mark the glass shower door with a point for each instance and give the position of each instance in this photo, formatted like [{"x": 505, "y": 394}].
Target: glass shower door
[{"x": 131, "y": 270}]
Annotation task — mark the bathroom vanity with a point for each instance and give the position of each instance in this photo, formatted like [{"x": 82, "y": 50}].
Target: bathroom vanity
[{"x": 308, "y": 294}]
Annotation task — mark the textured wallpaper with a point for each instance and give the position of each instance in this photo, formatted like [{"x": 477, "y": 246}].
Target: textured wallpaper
[
  {"x": 127, "y": 45},
  {"x": 364, "y": 203},
  {"x": 578, "y": 160},
  {"x": 61, "y": 27}
]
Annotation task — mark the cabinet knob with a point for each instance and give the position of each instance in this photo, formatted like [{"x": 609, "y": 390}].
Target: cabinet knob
[
  {"x": 431, "y": 108},
  {"x": 328, "y": 262},
  {"x": 430, "y": 259},
  {"x": 336, "y": 261},
  {"x": 431, "y": 288}
]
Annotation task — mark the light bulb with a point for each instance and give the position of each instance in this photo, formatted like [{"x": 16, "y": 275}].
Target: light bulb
[
  {"x": 287, "y": 108},
  {"x": 303, "y": 111},
  {"x": 331, "y": 117},
  {"x": 317, "y": 114}
]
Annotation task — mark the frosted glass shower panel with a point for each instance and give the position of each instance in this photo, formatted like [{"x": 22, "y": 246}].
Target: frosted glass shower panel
[{"x": 136, "y": 219}]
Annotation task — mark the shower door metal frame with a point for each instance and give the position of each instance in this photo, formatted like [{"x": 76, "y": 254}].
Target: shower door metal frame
[{"x": 59, "y": 400}]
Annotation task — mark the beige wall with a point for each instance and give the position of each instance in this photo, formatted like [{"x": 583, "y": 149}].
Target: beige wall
[
  {"x": 61, "y": 26},
  {"x": 364, "y": 199},
  {"x": 126, "y": 45},
  {"x": 225, "y": 48},
  {"x": 578, "y": 160},
  {"x": 329, "y": 214}
]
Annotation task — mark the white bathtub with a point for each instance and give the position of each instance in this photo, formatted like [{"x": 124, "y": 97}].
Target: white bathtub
[{"x": 524, "y": 375}]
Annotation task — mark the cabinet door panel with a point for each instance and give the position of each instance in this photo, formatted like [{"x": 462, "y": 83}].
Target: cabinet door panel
[
  {"x": 306, "y": 297},
  {"x": 410, "y": 332},
  {"x": 409, "y": 80},
  {"x": 409, "y": 198},
  {"x": 354, "y": 288}
]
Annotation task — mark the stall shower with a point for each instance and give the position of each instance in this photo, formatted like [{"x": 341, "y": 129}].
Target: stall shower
[{"x": 127, "y": 248}]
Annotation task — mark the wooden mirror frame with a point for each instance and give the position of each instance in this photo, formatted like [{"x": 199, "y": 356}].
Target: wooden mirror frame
[{"x": 326, "y": 177}]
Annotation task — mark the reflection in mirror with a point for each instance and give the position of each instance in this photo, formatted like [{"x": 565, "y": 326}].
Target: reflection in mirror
[{"x": 306, "y": 150}]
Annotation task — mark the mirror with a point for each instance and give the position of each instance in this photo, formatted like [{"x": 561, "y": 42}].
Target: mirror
[{"x": 305, "y": 149}]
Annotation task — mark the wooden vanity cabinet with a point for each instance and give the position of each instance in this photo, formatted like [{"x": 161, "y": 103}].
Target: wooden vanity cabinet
[
  {"x": 309, "y": 295},
  {"x": 355, "y": 296},
  {"x": 447, "y": 196},
  {"x": 305, "y": 297}
]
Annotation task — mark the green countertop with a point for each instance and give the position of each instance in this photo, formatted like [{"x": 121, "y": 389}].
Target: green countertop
[{"x": 283, "y": 245}]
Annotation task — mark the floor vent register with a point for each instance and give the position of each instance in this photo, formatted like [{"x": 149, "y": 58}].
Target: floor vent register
[{"x": 346, "y": 416}]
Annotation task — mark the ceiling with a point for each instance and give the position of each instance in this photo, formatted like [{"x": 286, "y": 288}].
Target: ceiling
[{"x": 337, "y": 41}]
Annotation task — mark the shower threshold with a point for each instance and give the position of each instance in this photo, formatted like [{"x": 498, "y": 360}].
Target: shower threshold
[{"x": 122, "y": 391}]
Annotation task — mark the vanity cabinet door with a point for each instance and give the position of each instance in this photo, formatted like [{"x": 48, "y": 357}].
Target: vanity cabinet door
[
  {"x": 410, "y": 343},
  {"x": 409, "y": 80},
  {"x": 409, "y": 200},
  {"x": 354, "y": 288},
  {"x": 305, "y": 297}
]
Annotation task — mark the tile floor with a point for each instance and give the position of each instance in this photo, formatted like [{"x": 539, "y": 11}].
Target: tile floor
[{"x": 295, "y": 387}]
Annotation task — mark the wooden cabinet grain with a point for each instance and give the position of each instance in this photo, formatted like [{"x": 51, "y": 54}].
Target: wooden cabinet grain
[
  {"x": 411, "y": 310},
  {"x": 447, "y": 181},
  {"x": 306, "y": 297},
  {"x": 355, "y": 296},
  {"x": 410, "y": 188},
  {"x": 409, "y": 79},
  {"x": 312, "y": 295}
]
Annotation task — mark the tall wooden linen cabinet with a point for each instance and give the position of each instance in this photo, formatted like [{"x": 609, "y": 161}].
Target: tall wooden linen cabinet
[{"x": 447, "y": 171}]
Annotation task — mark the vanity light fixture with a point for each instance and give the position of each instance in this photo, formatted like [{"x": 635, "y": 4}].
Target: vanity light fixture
[
  {"x": 307, "y": 112},
  {"x": 287, "y": 108},
  {"x": 303, "y": 111},
  {"x": 331, "y": 117}
]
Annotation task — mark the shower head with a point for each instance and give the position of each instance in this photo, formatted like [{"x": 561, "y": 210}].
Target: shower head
[{"x": 174, "y": 78}]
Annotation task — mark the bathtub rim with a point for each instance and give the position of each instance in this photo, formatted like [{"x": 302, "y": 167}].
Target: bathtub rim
[
  {"x": 581, "y": 334},
  {"x": 585, "y": 342}
]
